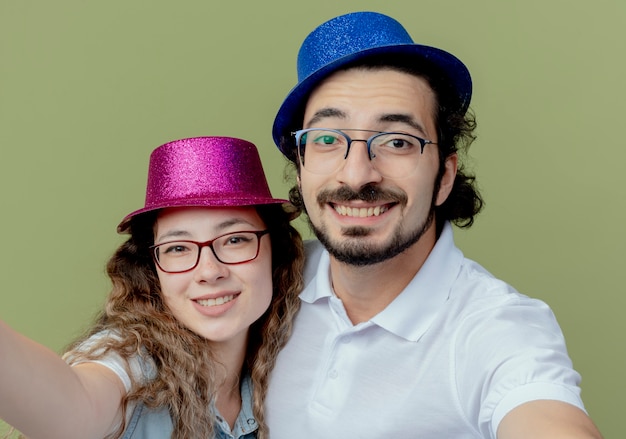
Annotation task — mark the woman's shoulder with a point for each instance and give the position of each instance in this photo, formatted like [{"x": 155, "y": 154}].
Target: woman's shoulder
[{"x": 137, "y": 367}]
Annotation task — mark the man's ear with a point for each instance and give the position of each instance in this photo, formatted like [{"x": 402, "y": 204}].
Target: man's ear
[{"x": 447, "y": 179}]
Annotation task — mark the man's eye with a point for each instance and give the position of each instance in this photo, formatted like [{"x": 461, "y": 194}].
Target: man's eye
[
  {"x": 326, "y": 139},
  {"x": 399, "y": 143}
]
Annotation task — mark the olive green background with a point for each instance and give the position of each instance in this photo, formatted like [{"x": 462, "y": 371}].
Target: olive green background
[{"x": 88, "y": 89}]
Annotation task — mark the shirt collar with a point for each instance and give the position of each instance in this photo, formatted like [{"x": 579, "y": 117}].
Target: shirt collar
[{"x": 245, "y": 423}]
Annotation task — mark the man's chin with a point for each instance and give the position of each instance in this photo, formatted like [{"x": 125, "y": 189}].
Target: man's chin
[{"x": 356, "y": 247}]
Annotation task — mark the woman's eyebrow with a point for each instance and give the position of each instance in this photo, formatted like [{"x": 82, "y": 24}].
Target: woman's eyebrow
[
  {"x": 220, "y": 227},
  {"x": 173, "y": 234}
]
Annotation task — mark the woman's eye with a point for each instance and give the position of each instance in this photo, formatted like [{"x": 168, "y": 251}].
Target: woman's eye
[
  {"x": 237, "y": 239},
  {"x": 175, "y": 248}
]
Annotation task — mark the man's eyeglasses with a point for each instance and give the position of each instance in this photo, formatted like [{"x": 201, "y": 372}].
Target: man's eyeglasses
[
  {"x": 231, "y": 248},
  {"x": 393, "y": 154}
]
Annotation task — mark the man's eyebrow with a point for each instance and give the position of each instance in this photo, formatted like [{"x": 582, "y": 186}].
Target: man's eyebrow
[
  {"x": 324, "y": 113},
  {"x": 403, "y": 118},
  {"x": 331, "y": 112}
]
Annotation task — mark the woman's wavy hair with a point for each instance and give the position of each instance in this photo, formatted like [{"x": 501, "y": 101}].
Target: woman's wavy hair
[
  {"x": 136, "y": 313},
  {"x": 455, "y": 130}
]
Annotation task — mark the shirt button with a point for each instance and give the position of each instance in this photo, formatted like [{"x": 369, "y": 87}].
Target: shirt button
[{"x": 333, "y": 374}]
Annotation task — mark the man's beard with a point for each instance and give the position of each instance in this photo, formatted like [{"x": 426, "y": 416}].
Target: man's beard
[{"x": 351, "y": 250}]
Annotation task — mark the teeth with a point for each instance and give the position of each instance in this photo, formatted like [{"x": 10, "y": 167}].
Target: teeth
[
  {"x": 361, "y": 212},
  {"x": 214, "y": 302}
]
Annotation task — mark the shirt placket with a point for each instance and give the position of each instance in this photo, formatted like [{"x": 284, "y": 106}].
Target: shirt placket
[{"x": 336, "y": 376}]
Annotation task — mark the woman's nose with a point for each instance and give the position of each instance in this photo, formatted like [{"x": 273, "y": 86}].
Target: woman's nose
[{"x": 209, "y": 268}]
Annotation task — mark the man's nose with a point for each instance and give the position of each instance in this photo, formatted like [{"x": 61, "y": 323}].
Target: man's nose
[{"x": 358, "y": 169}]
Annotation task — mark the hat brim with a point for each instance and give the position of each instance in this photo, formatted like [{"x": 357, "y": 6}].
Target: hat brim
[
  {"x": 289, "y": 208},
  {"x": 288, "y": 116}
]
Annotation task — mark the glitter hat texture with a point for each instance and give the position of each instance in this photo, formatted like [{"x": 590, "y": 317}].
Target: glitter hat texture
[
  {"x": 346, "y": 39},
  {"x": 205, "y": 171}
]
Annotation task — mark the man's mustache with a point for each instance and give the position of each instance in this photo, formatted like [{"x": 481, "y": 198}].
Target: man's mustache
[{"x": 368, "y": 193}]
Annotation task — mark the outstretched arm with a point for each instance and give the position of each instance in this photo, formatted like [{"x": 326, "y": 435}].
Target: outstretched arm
[
  {"x": 547, "y": 419},
  {"x": 43, "y": 397}
]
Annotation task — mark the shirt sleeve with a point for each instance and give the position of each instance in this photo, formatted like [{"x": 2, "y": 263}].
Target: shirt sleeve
[
  {"x": 513, "y": 353},
  {"x": 137, "y": 367}
]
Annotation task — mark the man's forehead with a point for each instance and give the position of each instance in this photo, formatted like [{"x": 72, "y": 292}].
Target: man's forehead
[{"x": 372, "y": 96}]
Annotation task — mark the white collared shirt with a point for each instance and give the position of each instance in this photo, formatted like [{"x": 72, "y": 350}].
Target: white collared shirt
[{"x": 449, "y": 357}]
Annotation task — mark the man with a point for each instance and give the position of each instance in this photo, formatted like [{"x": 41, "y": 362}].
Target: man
[{"x": 398, "y": 334}]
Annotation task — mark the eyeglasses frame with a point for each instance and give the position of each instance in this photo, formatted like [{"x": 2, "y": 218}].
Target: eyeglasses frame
[
  {"x": 299, "y": 133},
  {"x": 209, "y": 243}
]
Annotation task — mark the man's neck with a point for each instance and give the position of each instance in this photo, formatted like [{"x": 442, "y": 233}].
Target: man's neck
[{"x": 366, "y": 290}]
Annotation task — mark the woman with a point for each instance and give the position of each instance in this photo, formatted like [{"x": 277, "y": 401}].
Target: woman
[{"x": 204, "y": 293}]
